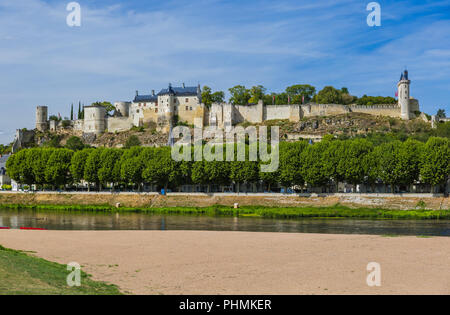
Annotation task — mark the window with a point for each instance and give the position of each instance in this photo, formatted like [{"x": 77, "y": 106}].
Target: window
[
  {"x": 187, "y": 100},
  {"x": 190, "y": 108},
  {"x": 187, "y": 107}
]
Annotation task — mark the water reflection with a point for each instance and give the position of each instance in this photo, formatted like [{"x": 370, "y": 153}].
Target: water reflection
[{"x": 57, "y": 220}]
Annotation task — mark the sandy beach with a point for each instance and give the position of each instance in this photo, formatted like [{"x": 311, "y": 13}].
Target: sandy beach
[{"x": 180, "y": 262}]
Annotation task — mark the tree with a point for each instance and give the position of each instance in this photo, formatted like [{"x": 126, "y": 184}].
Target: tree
[
  {"x": 161, "y": 169},
  {"x": 39, "y": 165},
  {"x": 300, "y": 91},
  {"x": 207, "y": 96},
  {"x": 441, "y": 113},
  {"x": 58, "y": 167},
  {"x": 329, "y": 95},
  {"x": 257, "y": 93},
  {"x": 239, "y": 95},
  {"x": 131, "y": 171},
  {"x": 92, "y": 167},
  {"x": 435, "y": 168},
  {"x": 354, "y": 161},
  {"x": 218, "y": 97},
  {"x": 78, "y": 164},
  {"x": 79, "y": 110},
  {"x": 289, "y": 172},
  {"x": 19, "y": 168},
  {"x": 312, "y": 168},
  {"x": 108, "y": 160},
  {"x": 133, "y": 141},
  {"x": 334, "y": 160},
  {"x": 388, "y": 155},
  {"x": 71, "y": 112},
  {"x": 75, "y": 144},
  {"x": 107, "y": 105}
]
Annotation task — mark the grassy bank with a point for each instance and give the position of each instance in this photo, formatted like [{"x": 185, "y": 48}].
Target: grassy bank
[
  {"x": 23, "y": 274},
  {"x": 337, "y": 211}
]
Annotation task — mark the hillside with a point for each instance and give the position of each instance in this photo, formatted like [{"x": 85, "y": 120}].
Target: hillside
[{"x": 341, "y": 126}]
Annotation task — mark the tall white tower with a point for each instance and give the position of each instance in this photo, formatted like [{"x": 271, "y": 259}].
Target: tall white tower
[{"x": 404, "y": 96}]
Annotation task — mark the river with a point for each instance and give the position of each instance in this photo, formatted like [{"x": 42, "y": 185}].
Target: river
[{"x": 76, "y": 220}]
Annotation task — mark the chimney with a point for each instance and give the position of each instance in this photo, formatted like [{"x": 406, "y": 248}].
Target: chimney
[
  {"x": 184, "y": 86},
  {"x": 137, "y": 93}
]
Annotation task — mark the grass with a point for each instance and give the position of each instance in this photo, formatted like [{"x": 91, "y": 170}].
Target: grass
[
  {"x": 22, "y": 274},
  {"x": 337, "y": 211}
]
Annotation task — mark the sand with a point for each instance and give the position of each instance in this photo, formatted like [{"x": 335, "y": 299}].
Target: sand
[{"x": 180, "y": 262}]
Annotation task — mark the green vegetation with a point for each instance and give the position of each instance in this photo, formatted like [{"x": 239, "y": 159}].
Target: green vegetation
[
  {"x": 132, "y": 141},
  {"x": 337, "y": 211},
  {"x": 208, "y": 97},
  {"x": 322, "y": 165},
  {"x": 22, "y": 274},
  {"x": 75, "y": 144},
  {"x": 296, "y": 94},
  {"x": 5, "y": 149}
]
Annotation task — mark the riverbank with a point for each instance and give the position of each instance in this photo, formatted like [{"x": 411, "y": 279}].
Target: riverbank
[
  {"x": 336, "y": 211},
  {"x": 171, "y": 262},
  {"x": 153, "y": 200}
]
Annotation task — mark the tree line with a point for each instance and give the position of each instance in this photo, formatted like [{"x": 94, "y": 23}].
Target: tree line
[
  {"x": 295, "y": 94},
  {"x": 321, "y": 165}
]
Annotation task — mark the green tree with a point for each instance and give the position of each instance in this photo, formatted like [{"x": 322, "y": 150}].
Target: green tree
[
  {"x": 161, "y": 169},
  {"x": 39, "y": 165},
  {"x": 108, "y": 172},
  {"x": 107, "y": 105},
  {"x": 239, "y": 95},
  {"x": 78, "y": 164},
  {"x": 218, "y": 97},
  {"x": 441, "y": 113},
  {"x": 257, "y": 93},
  {"x": 207, "y": 96},
  {"x": 71, "y": 112},
  {"x": 354, "y": 161},
  {"x": 290, "y": 168},
  {"x": 75, "y": 144},
  {"x": 132, "y": 141},
  {"x": 91, "y": 168},
  {"x": 312, "y": 169},
  {"x": 329, "y": 95},
  {"x": 435, "y": 168},
  {"x": 19, "y": 168},
  {"x": 58, "y": 168},
  {"x": 300, "y": 91}
]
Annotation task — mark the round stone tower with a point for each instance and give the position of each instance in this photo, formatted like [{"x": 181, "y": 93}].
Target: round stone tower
[
  {"x": 94, "y": 119},
  {"x": 404, "y": 96},
  {"x": 42, "y": 118}
]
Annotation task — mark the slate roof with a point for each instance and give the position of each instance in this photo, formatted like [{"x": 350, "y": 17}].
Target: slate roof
[
  {"x": 146, "y": 98},
  {"x": 180, "y": 91}
]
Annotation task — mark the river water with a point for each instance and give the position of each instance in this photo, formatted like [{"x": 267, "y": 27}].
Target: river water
[{"x": 76, "y": 220}]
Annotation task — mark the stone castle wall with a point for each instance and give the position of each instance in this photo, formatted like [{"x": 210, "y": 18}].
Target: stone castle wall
[{"x": 118, "y": 124}]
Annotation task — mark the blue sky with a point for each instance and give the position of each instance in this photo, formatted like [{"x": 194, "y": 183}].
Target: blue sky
[{"x": 123, "y": 46}]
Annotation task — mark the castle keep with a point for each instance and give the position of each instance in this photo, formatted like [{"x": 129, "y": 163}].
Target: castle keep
[{"x": 184, "y": 104}]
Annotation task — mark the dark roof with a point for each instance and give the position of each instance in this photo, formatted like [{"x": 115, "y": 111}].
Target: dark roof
[
  {"x": 146, "y": 98},
  {"x": 180, "y": 91}
]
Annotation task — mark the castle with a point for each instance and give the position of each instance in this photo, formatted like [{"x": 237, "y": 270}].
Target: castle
[{"x": 184, "y": 104}]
